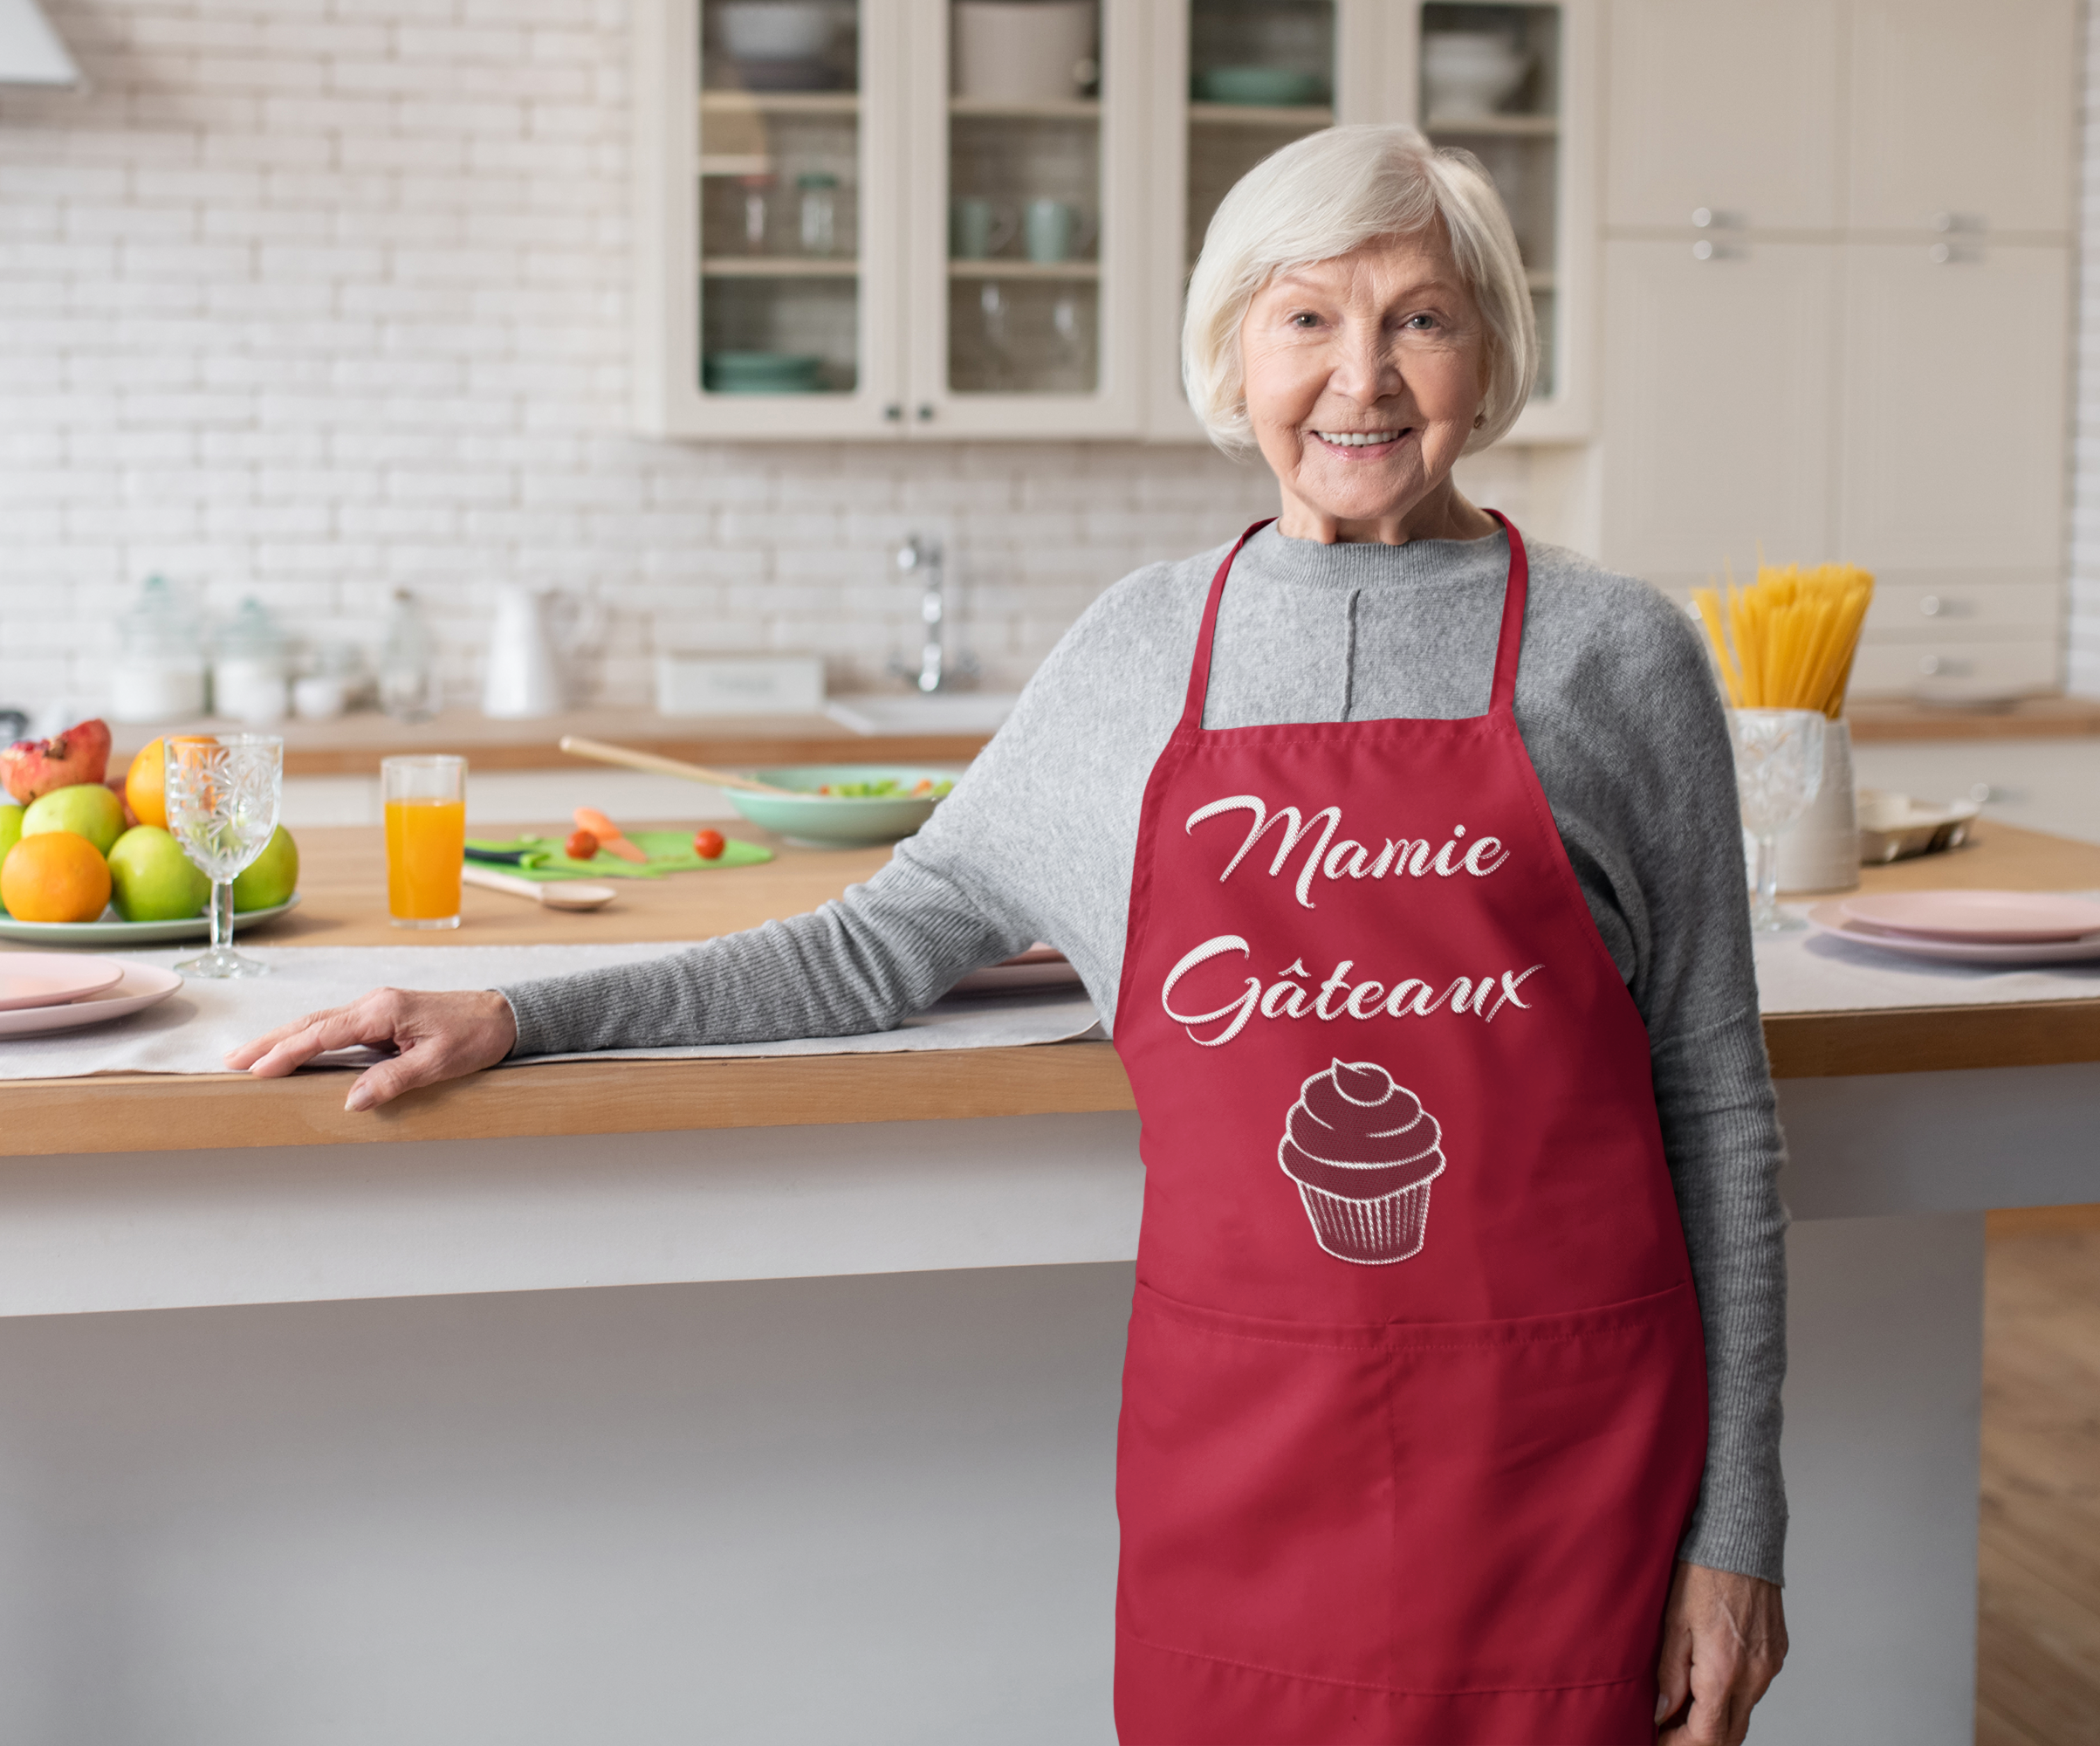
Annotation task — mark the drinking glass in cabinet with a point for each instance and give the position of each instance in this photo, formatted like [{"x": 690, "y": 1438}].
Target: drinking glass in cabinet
[
  {"x": 778, "y": 90},
  {"x": 1025, "y": 196},
  {"x": 1261, "y": 73},
  {"x": 1490, "y": 83}
]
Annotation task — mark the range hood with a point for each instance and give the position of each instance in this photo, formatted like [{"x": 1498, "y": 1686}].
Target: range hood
[{"x": 31, "y": 52}]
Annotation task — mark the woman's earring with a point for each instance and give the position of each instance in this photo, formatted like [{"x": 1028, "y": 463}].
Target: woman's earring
[{"x": 1479, "y": 420}]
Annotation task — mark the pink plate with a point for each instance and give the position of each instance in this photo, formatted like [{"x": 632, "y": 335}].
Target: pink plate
[
  {"x": 143, "y": 986},
  {"x": 2000, "y": 918},
  {"x": 51, "y": 978},
  {"x": 1829, "y": 918}
]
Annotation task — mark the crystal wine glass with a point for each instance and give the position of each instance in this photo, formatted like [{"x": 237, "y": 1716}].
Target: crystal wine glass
[
  {"x": 222, "y": 795},
  {"x": 1779, "y": 767}
]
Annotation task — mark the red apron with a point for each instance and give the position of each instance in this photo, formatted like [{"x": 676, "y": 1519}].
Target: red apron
[{"x": 1394, "y": 1465}]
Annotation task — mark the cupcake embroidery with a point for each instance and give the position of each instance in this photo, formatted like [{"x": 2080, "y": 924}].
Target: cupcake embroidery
[{"x": 1363, "y": 1152}]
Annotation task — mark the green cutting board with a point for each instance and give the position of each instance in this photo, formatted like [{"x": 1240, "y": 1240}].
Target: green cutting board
[{"x": 668, "y": 851}]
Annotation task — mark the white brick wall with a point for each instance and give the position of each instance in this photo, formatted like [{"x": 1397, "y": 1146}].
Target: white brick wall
[
  {"x": 309, "y": 298},
  {"x": 2083, "y": 663}
]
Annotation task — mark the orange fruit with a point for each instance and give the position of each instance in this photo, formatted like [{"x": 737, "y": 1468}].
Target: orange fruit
[
  {"x": 145, "y": 785},
  {"x": 54, "y": 877}
]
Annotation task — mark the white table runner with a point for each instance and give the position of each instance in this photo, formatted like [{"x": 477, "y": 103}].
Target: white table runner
[
  {"x": 1812, "y": 972},
  {"x": 191, "y": 1030}
]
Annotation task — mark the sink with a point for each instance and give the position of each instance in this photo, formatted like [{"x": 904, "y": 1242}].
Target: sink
[{"x": 897, "y": 712}]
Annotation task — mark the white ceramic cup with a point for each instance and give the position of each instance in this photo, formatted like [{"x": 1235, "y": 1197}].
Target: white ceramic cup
[
  {"x": 1021, "y": 51},
  {"x": 1821, "y": 852}
]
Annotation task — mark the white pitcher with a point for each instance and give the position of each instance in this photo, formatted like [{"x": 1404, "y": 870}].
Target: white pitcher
[{"x": 524, "y": 673}]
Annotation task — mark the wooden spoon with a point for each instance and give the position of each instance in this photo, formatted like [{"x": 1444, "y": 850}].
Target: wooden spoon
[
  {"x": 555, "y": 894},
  {"x": 579, "y": 747}
]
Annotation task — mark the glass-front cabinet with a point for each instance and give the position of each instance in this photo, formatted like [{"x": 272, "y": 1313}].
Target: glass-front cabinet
[
  {"x": 1494, "y": 80},
  {"x": 1025, "y": 263},
  {"x": 963, "y": 218}
]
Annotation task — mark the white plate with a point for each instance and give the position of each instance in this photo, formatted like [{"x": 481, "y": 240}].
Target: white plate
[
  {"x": 1830, "y": 919},
  {"x": 140, "y": 988},
  {"x": 123, "y": 935},
  {"x": 51, "y": 978}
]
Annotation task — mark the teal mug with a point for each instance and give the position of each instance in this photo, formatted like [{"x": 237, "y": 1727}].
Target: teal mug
[
  {"x": 977, "y": 229},
  {"x": 1054, "y": 230}
]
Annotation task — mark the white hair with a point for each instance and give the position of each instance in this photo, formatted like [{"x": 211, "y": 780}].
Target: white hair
[{"x": 1324, "y": 196}]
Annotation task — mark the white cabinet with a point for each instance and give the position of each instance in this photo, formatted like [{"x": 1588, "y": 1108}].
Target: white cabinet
[
  {"x": 1364, "y": 60},
  {"x": 1954, "y": 406},
  {"x": 890, "y": 217},
  {"x": 1838, "y": 313},
  {"x": 1332, "y": 61},
  {"x": 975, "y": 218},
  {"x": 1962, "y": 115},
  {"x": 1725, "y": 107},
  {"x": 1716, "y": 416}
]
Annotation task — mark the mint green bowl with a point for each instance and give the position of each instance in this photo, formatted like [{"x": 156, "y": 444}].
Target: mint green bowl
[{"x": 837, "y": 821}]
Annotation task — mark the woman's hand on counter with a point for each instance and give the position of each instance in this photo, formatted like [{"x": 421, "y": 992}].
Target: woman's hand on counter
[
  {"x": 1724, "y": 1640},
  {"x": 435, "y": 1037}
]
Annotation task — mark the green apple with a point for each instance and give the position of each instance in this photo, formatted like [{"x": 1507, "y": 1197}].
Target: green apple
[
  {"x": 11, "y": 833},
  {"x": 88, "y": 809},
  {"x": 151, "y": 879},
  {"x": 270, "y": 878}
]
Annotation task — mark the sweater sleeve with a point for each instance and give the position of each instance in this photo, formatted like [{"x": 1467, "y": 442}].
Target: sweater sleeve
[
  {"x": 862, "y": 962},
  {"x": 1647, "y": 807}
]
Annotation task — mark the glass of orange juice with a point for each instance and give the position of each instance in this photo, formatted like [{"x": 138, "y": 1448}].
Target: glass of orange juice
[{"x": 426, "y": 802}]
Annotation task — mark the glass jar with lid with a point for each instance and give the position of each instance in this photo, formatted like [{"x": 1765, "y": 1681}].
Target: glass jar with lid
[
  {"x": 249, "y": 670},
  {"x": 819, "y": 212},
  {"x": 159, "y": 672},
  {"x": 408, "y": 688}
]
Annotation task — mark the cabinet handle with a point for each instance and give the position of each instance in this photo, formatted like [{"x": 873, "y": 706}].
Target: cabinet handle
[
  {"x": 894, "y": 412},
  {"x": 1930, "y": 666},
  {"x": 1930, "y": 606},
  {"x": 1939, "y": 254},
  {"x": 1702, "y": 217},
  {"x": 1943, "y": 222},
  {"x": 925, "y": 412},
  {"x": 1704, "y": 250}
]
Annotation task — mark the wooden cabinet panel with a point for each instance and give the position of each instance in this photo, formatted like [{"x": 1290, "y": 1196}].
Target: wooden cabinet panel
[
  {"x": 1717, "y": 405},
  {"x": 1953, "y": 408},
  {"x": 1962, "y": 113},
  {"x": 1725, "y": 106}
]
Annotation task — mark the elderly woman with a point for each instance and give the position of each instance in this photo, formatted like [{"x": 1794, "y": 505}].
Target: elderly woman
[{"x": 1399, "y": 856}]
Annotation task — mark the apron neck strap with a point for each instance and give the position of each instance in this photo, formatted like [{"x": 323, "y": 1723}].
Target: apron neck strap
[
  {"x": 1199, "y": 670},
  {"x": 1501, "y": 697}
]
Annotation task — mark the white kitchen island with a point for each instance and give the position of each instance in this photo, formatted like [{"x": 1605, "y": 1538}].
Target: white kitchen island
[{"x": 740, "y": 1402}]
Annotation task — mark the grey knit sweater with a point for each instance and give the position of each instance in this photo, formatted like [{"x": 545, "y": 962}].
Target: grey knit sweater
[{"x": 1622, "y": 720}]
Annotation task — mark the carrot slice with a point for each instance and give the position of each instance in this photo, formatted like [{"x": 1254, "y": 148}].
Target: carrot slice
[{"x": 610, "y": 838}]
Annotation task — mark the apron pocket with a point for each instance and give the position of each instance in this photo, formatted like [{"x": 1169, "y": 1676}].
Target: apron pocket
[
  {"x": 1548, "y": 1466},
  {"x": 1254, "y": 1484},
  {"x": 1427, "y": 1508}
]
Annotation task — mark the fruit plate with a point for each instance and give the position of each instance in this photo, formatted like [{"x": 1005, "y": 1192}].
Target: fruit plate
[{"x": 134, "y": 933}]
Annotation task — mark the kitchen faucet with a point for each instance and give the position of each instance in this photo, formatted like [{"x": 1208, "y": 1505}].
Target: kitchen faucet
[{"x": 922, "y": 555}]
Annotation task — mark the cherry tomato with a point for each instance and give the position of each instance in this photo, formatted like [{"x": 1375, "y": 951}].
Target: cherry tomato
[
  {"x": 708, "y": 844},
  {"x": 582, "y": 846}
]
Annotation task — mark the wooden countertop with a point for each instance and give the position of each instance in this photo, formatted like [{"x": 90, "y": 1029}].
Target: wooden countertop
[
  {"x": 343, "y": 905},
  {"x": 2050, "y": 717},
  {"x": 353, "y": 745}
]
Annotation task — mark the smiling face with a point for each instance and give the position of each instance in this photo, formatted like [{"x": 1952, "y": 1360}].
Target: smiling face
[{"x": 1363, "y": 375}]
